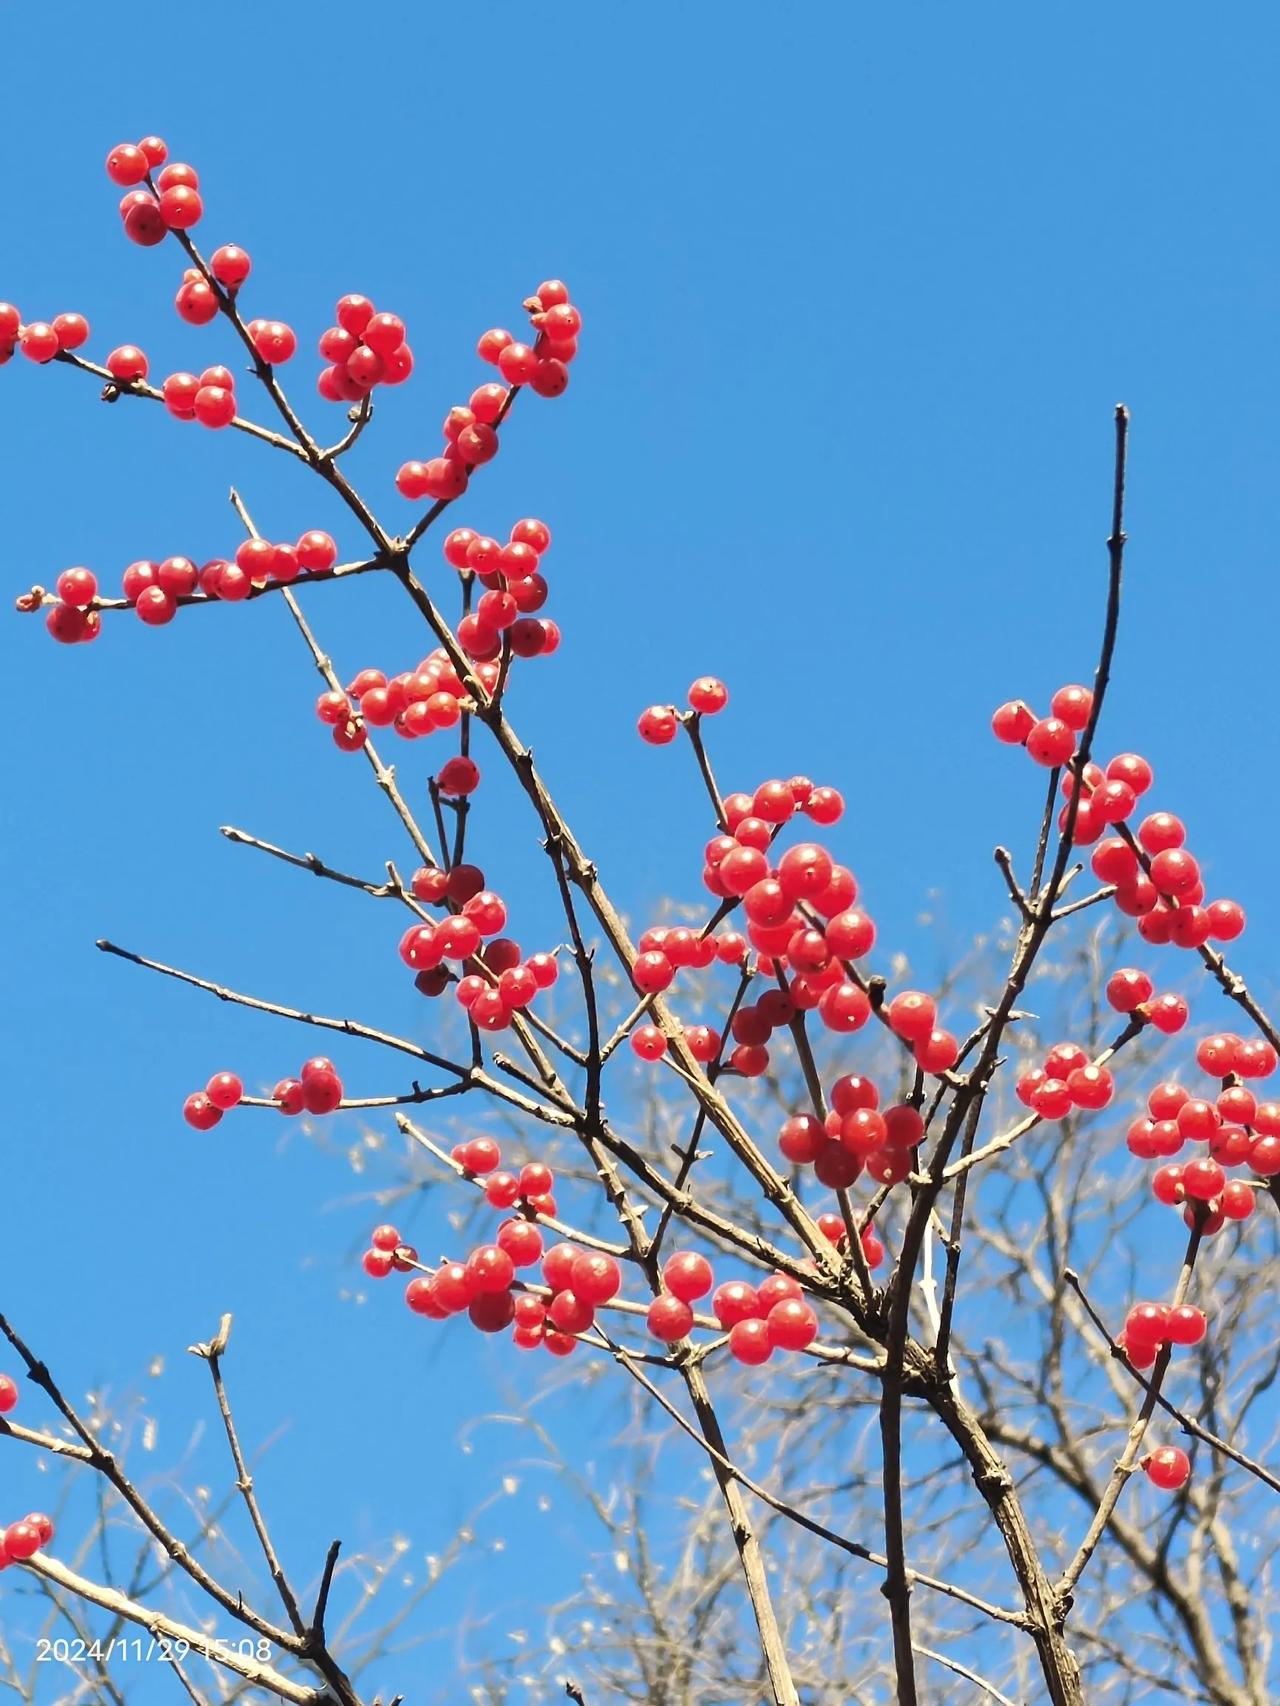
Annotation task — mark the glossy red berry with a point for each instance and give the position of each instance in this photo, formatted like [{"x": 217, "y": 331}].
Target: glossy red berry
[
  {"x": 214, "y": 406},
  {"x": 735, "y": 1301},
  {"x": 1090, "y": 1086},
  {"x": 1013, "y": 721},
  {"x": 8, "y": 1394},
  {"x": 687, "y": 1275},
  {"x": 1186, "y": 1325},
  {"x": 911, "y": 1014},
  {"x": 707, "y": 695},
  {"x": 1050, "y": 742},
  {"x": 127, "y": 164},
  {"x": 669, "y": 1318},
  {"x": 595, "y": 1277},
  {"x": 230, "y": 265},
  {"x": 20, "y": 1541},
  {"x": 1169, "y": 1013},
  {"x": 658, "y": 725},
  {"x": 71, "y": 330},
  {"x": 1168, "y": 1468},
  {"x": 792, "y": 1325},
  {"x": 750, "y": 1342},
  {"x": 200, "y": 1112},
  {"x": 1226, "y": 920},
  {"x": 224, "y": 1090},
  {"x": 181, "y": 206},
  {"x": 38, "y": 342},
  {"x": 1072, "y": 706}
]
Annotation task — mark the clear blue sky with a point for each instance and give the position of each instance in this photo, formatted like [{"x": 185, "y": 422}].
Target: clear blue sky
[{"x": 861, "y": 287}]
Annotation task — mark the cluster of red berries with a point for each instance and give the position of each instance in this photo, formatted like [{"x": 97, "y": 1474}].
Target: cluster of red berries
[
  {"x": 494, "y": 981},
  {"x": 1148, "y": 1327},
  {"x": 197, "y": 303},
  {"x": 543, "y": 365},
  {"x": 204, "y": 1108},
  {"x": 659, "y": 724},
  {"x": 22, "y": 1540},
  {"x": 316, "y": 1090},
  {"x": 800, "y": 919},
  {"x": 515, "y": 587},
  {"x": 40, "y": 340},
  {"x": 1065, "y": 1079},
  {"x": 413, "y": 703},
  {"x": 759, "y": 1319},
  {"x": 173, "y": 204},
  {"x": 155, "y": 589},
  {"x": 470, "y": 430},
  {"x": 834, "y": 1230},
  {"x": 1159, "y": 883},
  {"x": 1237, "y": 1129},
  {"x": 1157, "y": 880},
  {"x": 1132, "y": 991},
  {"x": 365, "y": 348},
  {"x": 855, "y": 1136},
  {"x": 1050, "y": 740},
  {"x": 484, "y": 1286},
  {"x": 208, "y": 397}
]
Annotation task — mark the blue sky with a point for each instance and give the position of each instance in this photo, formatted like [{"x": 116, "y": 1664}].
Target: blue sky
[{"x": 861, "y": 287}]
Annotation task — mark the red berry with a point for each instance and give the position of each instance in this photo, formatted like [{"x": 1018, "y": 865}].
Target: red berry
[
  {"x": 458, "y": 777},
  {"x": 792, "y": 1324},
  {"x": 200, "y": 1112},
  {"x": 658, "y": 725},
  {"x": 669, "y": 1318},
  {"x": 707, "y": 695},
  {"x": 750, "y": 1342},
  {"x": 1203, "y": 1178},
  {"x": 1169, "y": 1468},
  {"x": 155, "y": 606},
  {"x": 595, "y": 1277},
  {"x": 1226, "y": 920},
  {"x": 289, "y": 1094},
  {"x": 844, "y": 1007},
  {"x": 1072, "y": 706},
  {"x": 143, "y": 221},
  {"x": 274, "y": 341},
  {"x": 71, "y": 330},
  {"x": 77, "y": 586},
  {"x": 1169, "y": 1013},
  {"x": 1091, "y": 1086},
  {"x": 912, "y": 1014},
  {"x": 733, "y": 1302},
  {"x": 1186, "y": 1325},
  {"x": 8, "y": 1394},
  {"x": 214, "y": 406},
  {"x": 39, "y": 342},
  {"x": 230, "y": 265},
  {"x": 1128, "y": 989},
  {"x": 127, "y": 164},
  {"x": 1161, "y": 831},
  {"x": 492, "y": 343},
  {"x": 224, "y": 1090},
  {"x": 1013, "y": 721},
  {"x": 1050, "y": 742},
  {"x": 20, "y": 1541},
  {"x": 517, "y": 363},
  {"x": 687, "y": 1275},
  {"x": 480, "y": 1155},
  {"x": 180, "y": 206},
  {"x": 491, "y": 1268}
]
